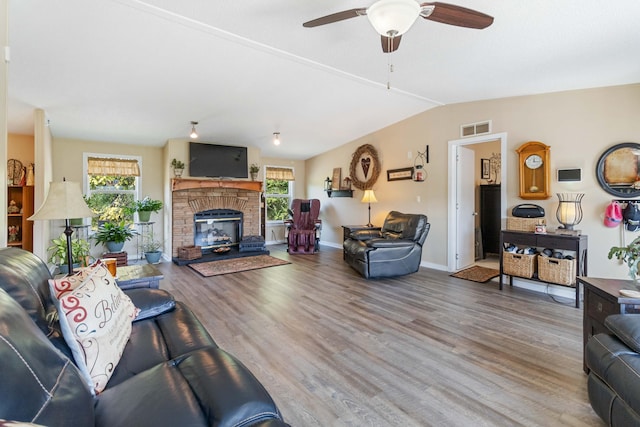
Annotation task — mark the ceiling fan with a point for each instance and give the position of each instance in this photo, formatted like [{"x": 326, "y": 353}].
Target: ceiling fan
[{"x": 392, "y": 18}]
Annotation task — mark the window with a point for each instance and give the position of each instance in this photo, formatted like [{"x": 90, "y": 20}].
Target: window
[
  {"x": 111, "y": 184},
  {"x": 279, "y": 192}
]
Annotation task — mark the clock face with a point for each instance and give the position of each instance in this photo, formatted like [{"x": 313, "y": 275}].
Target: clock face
[{"x": 533, "y": 161}]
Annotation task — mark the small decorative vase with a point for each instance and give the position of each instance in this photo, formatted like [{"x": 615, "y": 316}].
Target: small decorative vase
[
  {"x": 254, "y": 176},
  {"x": 177, "y": 172},
  {"x": 144, "y": 216}
]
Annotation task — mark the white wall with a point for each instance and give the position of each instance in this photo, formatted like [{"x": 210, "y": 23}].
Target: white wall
[{"x": 578, "y": 125}]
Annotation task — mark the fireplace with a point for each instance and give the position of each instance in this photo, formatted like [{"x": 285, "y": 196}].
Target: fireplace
[
  {"x": 190, "y": 196},
  {"x": 217, "y": 228}
]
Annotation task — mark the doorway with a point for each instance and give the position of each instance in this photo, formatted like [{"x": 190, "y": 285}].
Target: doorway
[{"x": 461, "y": 239}]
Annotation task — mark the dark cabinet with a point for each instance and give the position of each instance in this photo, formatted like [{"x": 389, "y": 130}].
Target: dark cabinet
[{"x": 490, "y": 218}]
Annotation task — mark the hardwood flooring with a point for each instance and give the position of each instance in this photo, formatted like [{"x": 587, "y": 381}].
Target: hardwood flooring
[{"x": 334, "y": 349}]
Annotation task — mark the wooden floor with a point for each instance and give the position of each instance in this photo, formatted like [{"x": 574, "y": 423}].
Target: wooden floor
[{"x": 426, "y": 349}]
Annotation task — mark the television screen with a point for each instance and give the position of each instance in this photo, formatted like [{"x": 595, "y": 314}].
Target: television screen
[{"x": 219, "y": 161}]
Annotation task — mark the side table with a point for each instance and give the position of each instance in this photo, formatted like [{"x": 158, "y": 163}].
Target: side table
[
  {"x": 139, "y": 276},
  {"x": 348, "y": 229},
  {"x": 601, "y": 299}
]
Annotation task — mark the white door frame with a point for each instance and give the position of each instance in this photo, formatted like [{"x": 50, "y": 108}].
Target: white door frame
[{"x": 453, "y": 177}]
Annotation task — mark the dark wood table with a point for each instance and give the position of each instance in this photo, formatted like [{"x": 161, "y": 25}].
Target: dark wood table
[
  {"x": 577, "y": 244},
  {"x": 601, "y": 299},
  {"x": 139, "y": 276}
]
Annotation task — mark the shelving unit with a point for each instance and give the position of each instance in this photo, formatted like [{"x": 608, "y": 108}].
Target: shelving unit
[{"x": 20, "y": 233}]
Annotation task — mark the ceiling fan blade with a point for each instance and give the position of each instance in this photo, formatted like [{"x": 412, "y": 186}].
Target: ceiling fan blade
[
  {"x": 456, "y": 15},
  {"x": 390, "y": 44},
  {"x": 335, "y": 17}
]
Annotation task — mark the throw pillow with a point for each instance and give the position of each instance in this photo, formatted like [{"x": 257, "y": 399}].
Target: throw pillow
[{"x": 95, "y": 317}]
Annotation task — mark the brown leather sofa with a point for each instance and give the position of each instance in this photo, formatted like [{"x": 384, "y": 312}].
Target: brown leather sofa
[
  {"x": 172, "y": 373},
  {"x": 395, "y": 250}
]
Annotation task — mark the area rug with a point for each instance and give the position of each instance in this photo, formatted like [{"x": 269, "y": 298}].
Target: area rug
[
  {"x": 235, "y": 265},
  {"x": 477, "y": 274}
]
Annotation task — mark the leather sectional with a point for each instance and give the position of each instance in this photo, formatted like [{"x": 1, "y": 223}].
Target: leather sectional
[{"x": 171, "y": 373}]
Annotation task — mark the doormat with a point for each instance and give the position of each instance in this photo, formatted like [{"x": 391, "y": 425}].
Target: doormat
[
  {"x": 235, "y": 265},
  {"x": 477, "y": 274}
]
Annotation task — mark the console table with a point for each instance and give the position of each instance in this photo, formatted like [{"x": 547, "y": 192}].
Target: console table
[
  {"x": 577, "y": 244},
  {"x": 601, "y": 299}
]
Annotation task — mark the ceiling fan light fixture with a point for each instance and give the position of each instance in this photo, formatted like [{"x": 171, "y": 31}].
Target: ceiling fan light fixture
[
  {"x": 193, "y": 134},
  {"x": 393, "y": 18},
  {"x": 276, "y": 138}
]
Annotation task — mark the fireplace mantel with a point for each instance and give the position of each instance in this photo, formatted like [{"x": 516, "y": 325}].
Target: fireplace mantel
[{"x": 178, "y": 184}]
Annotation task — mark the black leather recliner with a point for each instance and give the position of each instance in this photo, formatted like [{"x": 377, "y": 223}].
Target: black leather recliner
[{"x": 395, "y": 250}]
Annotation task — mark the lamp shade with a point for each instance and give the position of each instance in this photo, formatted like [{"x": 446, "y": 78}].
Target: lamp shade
[
  {"x": 63, "y": 201},
  {"x": 393, "y": 17},
  {"x": 369, "y": 197}
]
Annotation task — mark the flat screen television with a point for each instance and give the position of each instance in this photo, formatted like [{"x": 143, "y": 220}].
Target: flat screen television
[{"x": 217, "y": 161}]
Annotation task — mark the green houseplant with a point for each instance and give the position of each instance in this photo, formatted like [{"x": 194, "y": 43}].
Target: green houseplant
[
  {"x": 152, "y": 249},
  {"x": 178, "y": 167},
  {"x": 253, "y": 170},
  {"x": 113, "y": 235},
  {"x": 144, "y": 208},
  {"x": 630, "y": 255},
  {"x": 80, "y": 253}
]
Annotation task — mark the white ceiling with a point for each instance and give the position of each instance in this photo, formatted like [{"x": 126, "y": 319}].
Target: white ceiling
[{"x": 138, "y": 72}]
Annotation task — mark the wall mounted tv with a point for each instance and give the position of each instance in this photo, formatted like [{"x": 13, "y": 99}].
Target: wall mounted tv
[{"x": 219, "y": 161}]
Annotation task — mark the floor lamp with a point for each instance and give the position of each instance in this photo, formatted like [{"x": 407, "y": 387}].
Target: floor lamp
[
  {"x": 369, "y": 197},
  {"x": 64, "y": 201}
]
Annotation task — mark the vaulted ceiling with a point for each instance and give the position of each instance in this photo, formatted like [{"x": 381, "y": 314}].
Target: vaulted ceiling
[{"x": 138, "y": 71}]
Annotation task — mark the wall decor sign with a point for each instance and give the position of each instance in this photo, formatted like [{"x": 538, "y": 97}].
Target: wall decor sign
[
  {"x": 364, "y": 169},
  {"x": 399, "y": 174},
  {"x": 337, "y": 177},
  {"x": 618, "y": 170},
  {"x": 485, "y": 168}
]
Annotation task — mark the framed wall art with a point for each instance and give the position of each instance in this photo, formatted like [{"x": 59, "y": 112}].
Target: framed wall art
[
  {"x": 399, "y": 174},
  {"x": 618, "y": 170},
  {"x": 485, "y": 169}
]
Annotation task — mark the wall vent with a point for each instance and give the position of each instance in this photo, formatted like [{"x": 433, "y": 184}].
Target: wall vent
[{"x": 473, "y": 129}]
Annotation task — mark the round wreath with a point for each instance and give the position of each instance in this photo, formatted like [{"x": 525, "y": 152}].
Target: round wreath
[{"x": 355, "y": 159}]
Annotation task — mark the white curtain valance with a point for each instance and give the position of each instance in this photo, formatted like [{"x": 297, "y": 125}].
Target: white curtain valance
[{"x": 111, "y": 167}]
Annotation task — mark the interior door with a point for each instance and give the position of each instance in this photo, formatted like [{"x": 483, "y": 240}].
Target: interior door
[{"x": 465, "y": 207}]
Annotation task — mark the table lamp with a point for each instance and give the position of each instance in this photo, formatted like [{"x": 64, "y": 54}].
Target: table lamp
[
  {"x": 569, "y": 212},
  {"x": 369, "y": 197},
  {"x": 64, "y": 201}
]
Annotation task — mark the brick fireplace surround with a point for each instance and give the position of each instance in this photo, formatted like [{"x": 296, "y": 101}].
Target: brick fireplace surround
[{"x": 190, "y": 194}]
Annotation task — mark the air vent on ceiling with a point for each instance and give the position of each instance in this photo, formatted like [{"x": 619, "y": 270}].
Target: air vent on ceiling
[{"x": 472, "y": 129}]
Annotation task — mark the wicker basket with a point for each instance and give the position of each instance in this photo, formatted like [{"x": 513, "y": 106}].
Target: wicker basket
[
  {"x": 524, "y": 224},
  {"x": 560, "y": 271},
  {"x": 190, "y": 252},
  {"x": 520, "y": 265}
]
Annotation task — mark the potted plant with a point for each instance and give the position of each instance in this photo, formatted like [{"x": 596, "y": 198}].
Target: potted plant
[
  {"x": 114, "y": 235},
  {"x": 630, "y": 255},
  {"x": 253, "y": 170},
  {"x": 152, "y": 250},
  {"x": 80, "y": 253},
  {"x": 178, "y": 167},
  {"x": 144, "y": 208}
]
